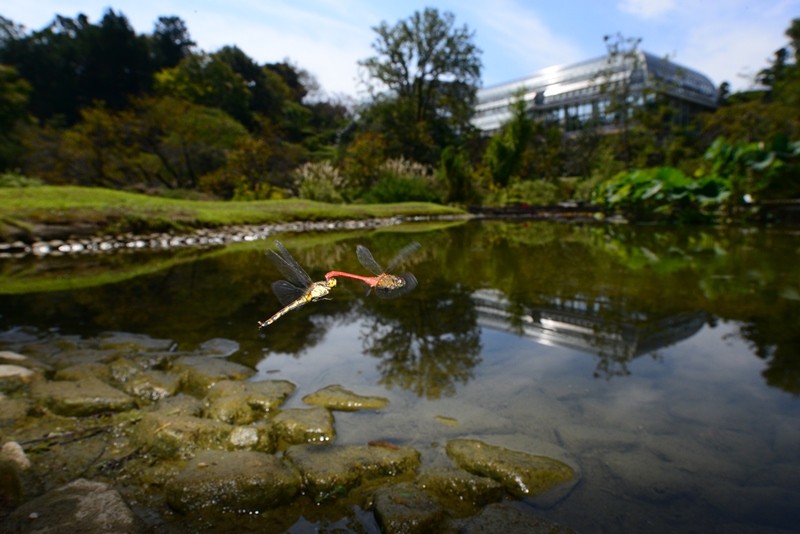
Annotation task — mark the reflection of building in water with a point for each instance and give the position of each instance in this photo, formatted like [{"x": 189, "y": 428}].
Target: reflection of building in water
[{"x": 594, "y": 327}]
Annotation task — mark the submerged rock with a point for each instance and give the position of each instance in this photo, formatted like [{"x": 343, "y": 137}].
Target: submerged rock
[
  {"x": 219, "y": 347},
  {"x": 153, "y": 385},
  {"x": 200, "y": 372},
  {"x": 335, "y": 397},
  {"x": 405, "y": 509},
  {"x": 264, "y": 395},
  {"x": 181, "y": 435},
  {"x": 501, "y": 518},
  {"x": 14, "y": 377},
  {"x": 11, "y": 410},
  {"x": 458, "y": 486},
  {"x": 179, "y": 405},
  {"x": 233, "y": 481},
  {"x": 82, "y": 397},
  {"x": 131, "y": 342},
  {"x": 298, "y": 425},
  {"x": 520, "y": 473},
  {"x": 233, "y": 410},
  {"x": 328, "y": 470},
  {"x": 80, "y": 506},
  {"x": 67, "y": 358},
  {"x": 82, "y": 371}
]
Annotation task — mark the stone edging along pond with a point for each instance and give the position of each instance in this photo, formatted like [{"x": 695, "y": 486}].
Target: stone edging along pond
[{"x": 201, "y": 238}]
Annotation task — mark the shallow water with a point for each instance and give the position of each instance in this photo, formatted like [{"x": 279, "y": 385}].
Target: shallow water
[{"x": 663, "y": 363}]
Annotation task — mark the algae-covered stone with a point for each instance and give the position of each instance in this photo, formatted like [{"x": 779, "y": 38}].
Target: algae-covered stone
[
  {"x": 153, "y": 385},
  {"x": 298, "y": 425},
  {"x": 335, "y": 397},
  {"x": 80, "y": 506},
  {"x": 131, "y": 342},
  {"x": 18, "y": 482},
  {"x": 14, "y": 358},
  {"x": 453, "y": 484},
  {"x": 233, "y": 410},
  {"x": 179, "y": 405},
  {"x": 14, "y": 377},
  {"x": 123, "y": 369},
  {"x": 501, "y": 518},
  {"x": 219, "y": 347},
  {"x": 181, "y": 435},
  {"x": 520, "y": 473},
  {"x": 329, "y": 469},
  {"x": 12, "y": 410},
  {"x": 81, "y": 371},
  {"x": 264, "y": 395},
  {"x": 74, "y": 357},
  {"x": 82, "y": 397},
  {"x": 201, "y": 373},
  {"x": 405, "y": 509},
  {"x": 233, "y": 481},
  {"x": 257, "y": 437}
]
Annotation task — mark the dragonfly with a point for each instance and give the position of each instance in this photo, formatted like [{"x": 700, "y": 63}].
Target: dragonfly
[
  {"x": 300, "y": 289},
  {"x": 385, "y": 285}
]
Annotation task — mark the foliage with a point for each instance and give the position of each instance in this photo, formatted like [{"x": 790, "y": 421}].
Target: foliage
[
  {"x": 532, "y": 192},
  {"x": 319, "y": 181},
  {"x": 664, "y": 193},
  {"x": 505, "y": 151},
  {"x": 14, "y": 95},
  {"x": 402, "y": 180},
  {"x": 14, "y": 179},
  {"x": 456, "y": 172},
  {"x": 362, "y": 160}
]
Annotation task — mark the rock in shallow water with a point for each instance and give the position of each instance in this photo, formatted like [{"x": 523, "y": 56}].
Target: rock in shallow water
[
  {"x": 522, "y": 474},
  {"x": 335, "y": 397},
  {"x": 200, "y": 372},
  {"x": 328, "y": 469},
  {"x": 405, "y": 509},
  {"x": 80, "y": 506},
  {"x": 81, "y": 397},
  {"x": 233, "y": 481},
  {"x": 264, "y": 395},
  {"x": 298, "y": 425}
]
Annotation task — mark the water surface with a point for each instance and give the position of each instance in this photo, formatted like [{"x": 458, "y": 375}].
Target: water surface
[{"x": 664, "y": 363}]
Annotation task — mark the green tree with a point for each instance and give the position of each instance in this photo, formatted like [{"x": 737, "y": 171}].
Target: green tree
[
  {"x": 504, "y": 154},
  {"x": 423, "y": 80},
  {"x": 14, "y": 95}
]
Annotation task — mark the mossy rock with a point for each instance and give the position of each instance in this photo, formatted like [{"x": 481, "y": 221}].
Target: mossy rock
[
  {"x": 264, "y": 395},
  {"x": 459, "y": 488},
  {"x": 153, "y": 385},
  {"x": 233, "y": 481},
  {"x": 81, "y": 398},
  {"x": 80, "y": 371},
  {"x": 501, "y": 518},
  {"x": 522, "y": 474},
  {"x": 331, "y": 469},
  {"x": 406, "y": 509},
  {"x": 201, "y": 373},
  {"x": 14, "y": 377},
  {"x": 304, "y": 425},
  {"x": 181, "y": 435},
  {"x": 131, "y": 342},
  {"x": 335, "y": 397},
  {"x": 232, "y": 410}
]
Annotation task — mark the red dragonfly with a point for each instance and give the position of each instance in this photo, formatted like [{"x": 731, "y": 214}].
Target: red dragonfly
[{"x": 385, "y": 285}]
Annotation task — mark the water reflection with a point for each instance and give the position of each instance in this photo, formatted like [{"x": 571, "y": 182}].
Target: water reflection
[
  {"x": 427, "y": 343},
  {"x": 616, "y": 292}
]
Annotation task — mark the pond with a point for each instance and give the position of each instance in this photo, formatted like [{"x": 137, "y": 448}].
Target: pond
[{"x": 662, "y": 363}]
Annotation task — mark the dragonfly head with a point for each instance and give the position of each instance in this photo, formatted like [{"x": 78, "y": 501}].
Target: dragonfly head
[{"x": 331, "y": 283}]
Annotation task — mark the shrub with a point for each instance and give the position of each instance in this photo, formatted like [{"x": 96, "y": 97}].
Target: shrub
[
  {"x": 402, "y": 180},
  {"x": 319, "y": 181},
  {"x": 533, "y": 192},
  {"x": 15, "y": 179}
]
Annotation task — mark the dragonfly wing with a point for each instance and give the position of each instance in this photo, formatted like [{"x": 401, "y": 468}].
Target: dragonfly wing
[
  {"x": 288, "y": 267},
  {"x": 409, "y": 283},
  {"x": 286, "y": 292},
  {"x": 404, "y": 253},
  {"x": 367, "y": 261}
]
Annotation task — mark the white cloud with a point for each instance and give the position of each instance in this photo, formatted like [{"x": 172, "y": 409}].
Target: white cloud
[{"x": 646, "y": 9}]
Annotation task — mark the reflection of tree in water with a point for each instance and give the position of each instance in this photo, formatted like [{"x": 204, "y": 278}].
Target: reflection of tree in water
[
  {"x": 428, "y": 343},
  {"x": 776, "y": 340}
]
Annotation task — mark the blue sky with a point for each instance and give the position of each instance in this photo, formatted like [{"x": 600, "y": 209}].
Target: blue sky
[{"x": 728, "y": 40}]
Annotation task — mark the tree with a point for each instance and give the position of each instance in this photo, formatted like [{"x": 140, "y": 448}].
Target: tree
[
  {"x": 171, "y": 41},
  {"x": 504, "y": 154},
  {"x": 428, "y": 71},
  {"x": 14, "y": 94}
]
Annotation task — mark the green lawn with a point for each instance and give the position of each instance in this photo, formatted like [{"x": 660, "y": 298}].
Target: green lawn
[{"x": 116, "y": 211}]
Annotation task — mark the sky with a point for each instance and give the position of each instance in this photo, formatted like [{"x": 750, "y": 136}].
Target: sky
[{"x": 727, "y": 40}]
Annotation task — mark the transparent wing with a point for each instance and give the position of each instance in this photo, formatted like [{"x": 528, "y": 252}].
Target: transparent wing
[
  {"x": 288, "y": 267},
  {"x": 409, "y": 283},
  {"x": 286, "y": 292},
  {"x": 404, "y": 253},
  {"x": 367, "y": 261}
]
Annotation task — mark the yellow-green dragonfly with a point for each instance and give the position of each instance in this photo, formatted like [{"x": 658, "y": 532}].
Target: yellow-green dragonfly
[{"x": 300, "y": 289}]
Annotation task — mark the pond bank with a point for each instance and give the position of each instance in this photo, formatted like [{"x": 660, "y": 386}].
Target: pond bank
[{"x": 69, "y": 239}]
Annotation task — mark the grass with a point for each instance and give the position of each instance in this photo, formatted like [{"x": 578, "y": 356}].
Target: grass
[{"x": 116, "y": 211}]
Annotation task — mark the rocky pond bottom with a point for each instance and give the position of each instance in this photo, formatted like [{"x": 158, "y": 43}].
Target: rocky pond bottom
[{"x": 121, "y": 433}]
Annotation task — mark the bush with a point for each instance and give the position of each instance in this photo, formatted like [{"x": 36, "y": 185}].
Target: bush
[
  {"x": 532, "y": 192},
  {"x": 319, "y": 181},
  {"x": 15, "y": 179},
  {"x": 401, "y": 189}
]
